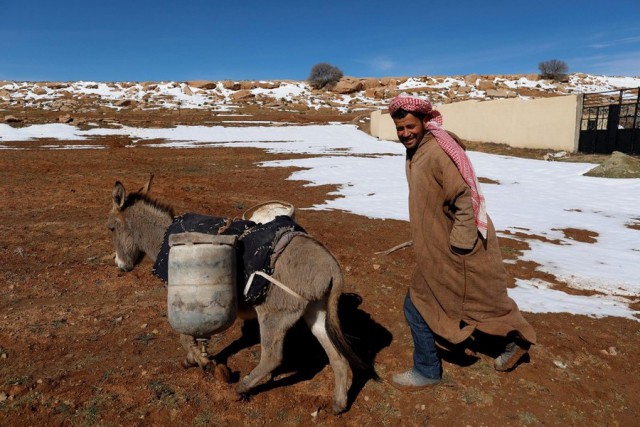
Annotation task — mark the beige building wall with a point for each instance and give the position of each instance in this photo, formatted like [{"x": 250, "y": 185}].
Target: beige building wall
[{"x": 548, "y": 123}]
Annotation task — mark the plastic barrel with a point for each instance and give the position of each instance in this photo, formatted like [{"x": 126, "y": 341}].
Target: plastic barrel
[{"x": 202, "y": 296}]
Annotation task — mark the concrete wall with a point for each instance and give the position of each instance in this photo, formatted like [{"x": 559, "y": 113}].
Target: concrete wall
[{"x": 548, "y": 123}]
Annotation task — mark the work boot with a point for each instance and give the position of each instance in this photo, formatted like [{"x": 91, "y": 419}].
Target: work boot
[
  {"x": 512, "y": 354},
  {"x": 413, "y": 380}
]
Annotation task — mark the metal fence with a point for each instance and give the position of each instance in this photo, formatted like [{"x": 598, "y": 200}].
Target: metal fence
[{"x": 610, "y": 122}]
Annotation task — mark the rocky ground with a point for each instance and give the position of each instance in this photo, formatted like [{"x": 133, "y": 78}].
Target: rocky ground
[{"x": 82, "y": 343}]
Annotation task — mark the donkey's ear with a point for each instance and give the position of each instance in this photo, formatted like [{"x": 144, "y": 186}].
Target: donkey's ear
[
  {"x": 147, "y": 186},
  {"x": 119, "y": 195}
]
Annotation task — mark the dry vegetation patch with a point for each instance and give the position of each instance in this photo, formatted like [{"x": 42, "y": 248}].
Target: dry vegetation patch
[{"x": 579, "y": 235}]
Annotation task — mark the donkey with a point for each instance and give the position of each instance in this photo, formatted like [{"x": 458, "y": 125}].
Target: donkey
[{"x": 138, "y": 223}]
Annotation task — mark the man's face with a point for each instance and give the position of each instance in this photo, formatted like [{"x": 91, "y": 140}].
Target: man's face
[{"x": 410, "y": 130}]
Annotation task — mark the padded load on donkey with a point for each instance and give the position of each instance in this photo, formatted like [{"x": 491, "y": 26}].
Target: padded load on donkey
[{"x": 257, "y": 249}]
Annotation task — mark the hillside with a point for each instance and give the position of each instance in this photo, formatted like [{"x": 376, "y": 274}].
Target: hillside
[{"x": 351, "y": 96}]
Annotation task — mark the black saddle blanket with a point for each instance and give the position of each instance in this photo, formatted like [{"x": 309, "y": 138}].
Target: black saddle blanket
[{"x": 253, "y": 250}]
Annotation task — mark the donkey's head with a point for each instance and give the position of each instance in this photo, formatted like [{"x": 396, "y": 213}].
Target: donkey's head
[{"x": 128, "y": 249}]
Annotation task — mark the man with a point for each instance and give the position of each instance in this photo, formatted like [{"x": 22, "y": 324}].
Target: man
[{"x": 459, "y": 285}]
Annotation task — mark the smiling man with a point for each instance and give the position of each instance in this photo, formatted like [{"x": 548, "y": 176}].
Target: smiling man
[{"x": 459, "y": 284}]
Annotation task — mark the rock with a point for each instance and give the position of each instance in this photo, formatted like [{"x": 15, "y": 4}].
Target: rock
[
  {"x": 203, "y": 84},
  {"x": 268, "y": 85},
  {"x": 348, "y": 85},
  {"x": 12, "y": 119},
  {"x": 497, "y": 93},
  {"x": 371, "y": 83},
  {"x": 231, "y": 85},
  {"x": 56, "y": 85},
  {"x": 553, "y": 156},
  {"x": 148, "y": 86},
  {"x": 388, "y": 82},
  {"x": 471, "y": 79},
  {"x": 243, "y": 94},
  {"x": 618, "y": 165},
  {"x": 486, "y": 85},
  {"x": 65, "y": 119},
  {"x": 222, "y": 373},
  {"x": 123, "y": 103},
  {"x": 186, "y": 90},
  {"x": 248, "y": 85}
]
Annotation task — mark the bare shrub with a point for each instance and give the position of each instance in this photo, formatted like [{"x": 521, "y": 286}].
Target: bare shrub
[
  {"x": 554, "y": 69},
  {"x": 324, "y": 75}
]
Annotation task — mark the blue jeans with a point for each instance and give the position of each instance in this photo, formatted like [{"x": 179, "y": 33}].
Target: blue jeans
[{"x": 425, "y": 356}]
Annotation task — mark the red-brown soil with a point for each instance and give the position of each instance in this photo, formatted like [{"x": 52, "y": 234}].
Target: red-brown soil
[{"x": 82, "y": 343}]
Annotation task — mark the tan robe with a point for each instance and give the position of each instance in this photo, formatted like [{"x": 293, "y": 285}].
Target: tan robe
[{"x": 455, "y": 294}]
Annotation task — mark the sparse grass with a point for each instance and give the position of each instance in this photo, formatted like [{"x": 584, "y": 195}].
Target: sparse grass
[
  {"x": 192, "y": 169},
  {"x": 507, "y": 250},
  {"x": 160, "y": 389},
  {"x": 63, "y": 409},
  {"x": 202, "y": 419},
  {"x": 387, "y": 411},
  {"x": 254, "y": 414},
  {"x": 145, "y": 338},
  {"x": 23, "y": 380},
  {"x": 58, "y": 323},
  {"x": 473, "y": 396},
  {"x": 528, "y": 418},
  {"x": 90, "y": 414}
]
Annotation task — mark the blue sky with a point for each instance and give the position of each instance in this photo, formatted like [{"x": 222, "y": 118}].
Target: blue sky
[{"x": 141, "y": 40}]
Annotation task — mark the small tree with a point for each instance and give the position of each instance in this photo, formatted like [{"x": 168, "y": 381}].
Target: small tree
[
  {"x": 553, "y": 69},
  {"x": 324, "y": 75}
]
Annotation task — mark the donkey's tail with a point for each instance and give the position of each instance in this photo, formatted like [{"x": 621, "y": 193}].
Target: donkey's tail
[{"x": 334, "y": 330}]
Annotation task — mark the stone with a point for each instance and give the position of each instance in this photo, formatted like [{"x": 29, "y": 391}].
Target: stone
[
  {"x": 471, "y": 79},
  {"x": 486, "y": 85},
  {"x": 231, "y": 85},
  {"x": 12, "y": 119},
  {"x": 268, "y": 85},
  {"x": 497, "y": 93},
  {"x": 123, "y": 103},
  {"x": 618, "y": 165},
  {"x": 203, "y": 84},
  {"x": 348, "y": 85},
  {"x": 243, "y": 94}
]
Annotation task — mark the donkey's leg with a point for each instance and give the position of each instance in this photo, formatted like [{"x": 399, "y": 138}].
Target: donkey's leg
[
  {"x": 273, "y": 328},
  {"x": 315, "y": 316}
]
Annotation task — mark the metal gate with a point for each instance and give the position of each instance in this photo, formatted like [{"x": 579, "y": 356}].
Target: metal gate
[{"x": 610, "y": 122}]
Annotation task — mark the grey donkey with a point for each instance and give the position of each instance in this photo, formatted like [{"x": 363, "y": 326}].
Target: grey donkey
[{"x": 138, "y": 223}]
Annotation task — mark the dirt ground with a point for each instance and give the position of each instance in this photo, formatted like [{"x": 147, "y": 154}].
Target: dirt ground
[{"x": 82, "y": 343}]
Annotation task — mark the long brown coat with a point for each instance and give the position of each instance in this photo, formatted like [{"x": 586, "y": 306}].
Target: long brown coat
[{"x": 455, "y": 294}]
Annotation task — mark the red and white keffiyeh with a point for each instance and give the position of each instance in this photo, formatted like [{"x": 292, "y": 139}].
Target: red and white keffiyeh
[{"x": 433, "y": 120}]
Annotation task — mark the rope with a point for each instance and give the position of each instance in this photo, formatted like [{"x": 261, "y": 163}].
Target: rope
[{"x": 272, "y": 280}]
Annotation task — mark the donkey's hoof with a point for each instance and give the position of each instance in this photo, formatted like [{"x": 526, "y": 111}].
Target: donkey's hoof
[
  {"x": 241, "y": 397},
  {"x": 222, "y": 373},
  {"x": 188, "y": 363},
  {"x": 338, "y": 408}
]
